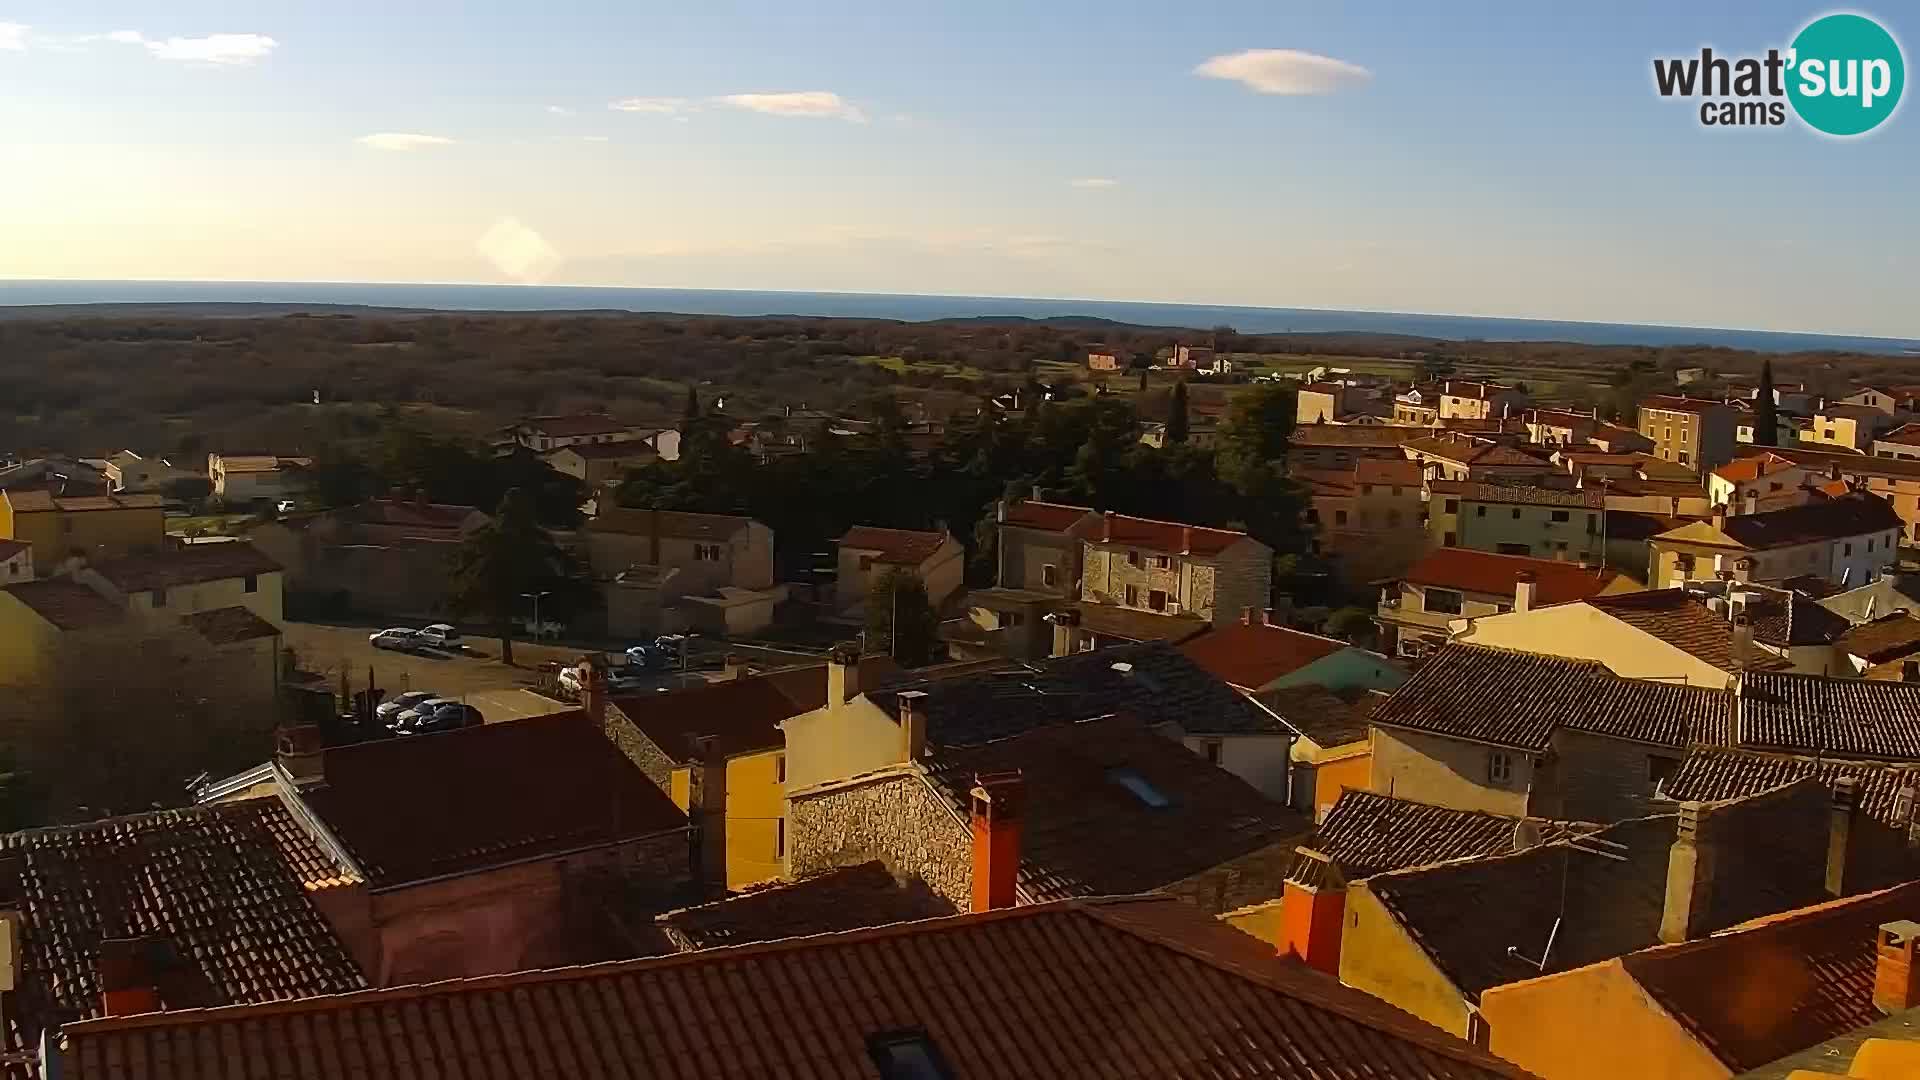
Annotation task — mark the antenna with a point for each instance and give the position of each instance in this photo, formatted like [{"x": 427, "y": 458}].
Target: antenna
[{"x": 1617, "y": 854}]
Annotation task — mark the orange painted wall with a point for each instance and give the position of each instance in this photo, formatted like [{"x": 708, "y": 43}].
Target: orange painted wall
[
  {"x": 1592, "y": 1023},
  {"x": 1333, "y": 777},
  {"x": 1310, "y": 925}
]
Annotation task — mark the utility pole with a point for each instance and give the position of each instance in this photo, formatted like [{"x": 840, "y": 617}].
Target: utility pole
[{"x": 535, "y": 597}]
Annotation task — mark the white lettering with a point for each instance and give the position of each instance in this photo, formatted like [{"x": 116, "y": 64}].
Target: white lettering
[
  {"x": 1813, "y": 77},
  {"x": 1879, "y": 79},
  {"x": 1839, "y": 87}
]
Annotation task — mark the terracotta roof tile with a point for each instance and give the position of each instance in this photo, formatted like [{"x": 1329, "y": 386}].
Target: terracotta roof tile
[
  {"x": 1475, "y": 452},
  {"x": 188, "y": 565},
  {"x": 1835, "y": 519},
  {"x": 224, "y": 626},
  {"x": 1684, "y": 622},
  {"x": 1330, "y": 719},
  {"x": 1711, "y": 774},
  {"x": 1555, "y": 582},
  {"x": 1886, "y": 638},
  {"x": 1673, "y": 403},
  {"x": 1752, "y": 468},
  {"x": 741, "y": 716},
  {"x": 1251, "y": 656},
  {"x": 625, "y": 450},
  {"x": 1367, "y": 833},
  {"x": 895, "y": 547},
  {"x": 1081, "y": 988},
  {"x": 222, "y": 884},
  {"x": 844, "y": 898},
  {"x": 1046, "y": 516},
  {"x": 1373, "y": 435},
  {"x": 411, "y": 514},
  {"x": 433, "y": 805},
  {"x": 66, "y": 604},
  {"x": 575, "y": 425},
  {"x": 37, "y": 500},
  {"x": 1389, "y": 472},
  {"x": 1864, "y": 718},
  {"x": 1523, "y": 494},
  {"x": 1172, "y": 537},
  {"x": 1114, "y": 621}
]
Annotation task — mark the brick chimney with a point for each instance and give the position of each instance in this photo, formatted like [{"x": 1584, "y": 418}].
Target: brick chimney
[
  {"x": 1842, "y": 808},
  {"x": 843, "y": 674},
  {"x": 999, "y": 808},
  {"x": 1894, "y": 987},
  {"x": 299, "y": 750},
  {"x": 913, "y": 724},
  {"x": 1312, "y": 905},
  {"x": 1690, "y": 868},
  {"x": 130, "y": 970},
  {"x": 1525, "y": 584}
]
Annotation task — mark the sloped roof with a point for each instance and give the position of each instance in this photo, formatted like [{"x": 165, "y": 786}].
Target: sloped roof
[
  {"x": 1087, "y": 834},
  {"x": 224, "y": 626},
  {"x": 1389, "y": 471},
  {"x": 1171, "y": 537},
  {"x": 895, "y": 547},
  {"x": 1674, "y": 403},
  {"x": 39, "y": 499},
  {"x": 1085, "y": 987},
  {"x": 1112, "y": 620},
  {"x": 1367, "y": 833},
  {"x": 1833, "y": 519},
  {"x": 1518, "y": 699},
  {"x": 828, "y": 902},
  {"x": 623, "y": 450},
  {"x": 1821, "y": 957},
  {"x": 1474, "y": 452},
  {"x": 1864, "y": 718},
  {"x": 1784, "y": 617},
  {"x": 1684, "y": 622},
  {"x": 1711, "y": 774},
  {"x": 1377, "y": 435},
  {"x": 188, "y": 565},
  {"x": 1523, "y": 494},
  {"x": 1555, "y": 581},
  {"x": 1330, "y": 719},
  {"x": 414, "y": 514},
  {"x": 1886, "y": 638},
  {"x": 1046, "y": 516},
  {"x": 674, "y": 523},
  {"x": 222, "y": 884},
  {"x": 432, "y": 805},
  {"x": 575, "y": 425},
  {"x": 1154, "y": 683},
  {"x": 1253, "y": 655},
  {"x": 1741, "y": 470},
  {"x": 66, "y": 603},
  {"x": 741, "y": 716}
]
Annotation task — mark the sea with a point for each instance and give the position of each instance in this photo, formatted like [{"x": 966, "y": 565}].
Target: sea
[{"x": 16, "y": 295}]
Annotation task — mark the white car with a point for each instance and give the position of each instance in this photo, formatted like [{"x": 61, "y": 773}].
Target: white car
[
  {"x": 440, "y": 636},
  {"x": 285, "y": 506},
  {"x": 397, "y": 638}
]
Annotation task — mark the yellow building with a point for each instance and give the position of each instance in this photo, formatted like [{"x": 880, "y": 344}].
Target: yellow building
[
  {"x": 169, "y": 585},
  {"x": 37, "y": 617},
  {"x": 1847, "y": 541},
  {"x": 88, "y": 526}
]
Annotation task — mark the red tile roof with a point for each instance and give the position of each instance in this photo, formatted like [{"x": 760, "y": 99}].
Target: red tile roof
[
  {"x": 894, "y": 547},
  {"x": 1383, "y": 471},
  {"x": 417, "y": 808},
  {"x": 1253, "y": 656},
  {"x": 1374, "y": 435},
  {"x": 66, "y": 603},
  {"x": 1086, "y": 988},
  {"x": 1171, "y": 537},
  {"x": 189, "y": 565},
  {"x": 741, "y": 716},
  {"x": 1523, "y": 494},
  {"x": 1684, "y": 622},
  {"x": 829, "y": 902},
  {"x": 1496, "y": 575},
  {"x": 1752, "y": 468},
  {"x": 1046, "y": 516},
  {"x": 224, "y": 626},
  {"x": 1835, "y": 519},
  {"x": 37, "y": 500}
]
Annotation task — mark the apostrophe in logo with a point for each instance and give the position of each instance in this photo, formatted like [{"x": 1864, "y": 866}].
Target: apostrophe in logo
[
  {"x": 1845, "y": 74},
  {"x": 1842, "y": 75}
]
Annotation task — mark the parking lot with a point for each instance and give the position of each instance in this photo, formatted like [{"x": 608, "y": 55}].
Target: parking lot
[{"x": 474, "y": 669}]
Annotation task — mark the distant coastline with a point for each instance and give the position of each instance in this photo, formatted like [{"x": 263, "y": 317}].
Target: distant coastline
[{"x": 28, "y": 298}]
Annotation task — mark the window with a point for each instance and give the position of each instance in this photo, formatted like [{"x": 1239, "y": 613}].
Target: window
[
  {"x": 1133, "y": 558},
  {"x": 1559, "y": 516},
  {"x": 779, "y": 768},
  {"x": 1479, "y": 511},
  {"x": 1141, "y": 789},
  {"x": 907, "y": 1055},
  {"x": 1049, "y": 575},
  {"x": 1443, "y": 601},
  {"x": 780, "y": 838},
  {"x": 1499, "y": 768},
  {"x": 1393, "y": 518},
  {"x": 1157, "y": 599},
  {"x": 1133, "y": 595},
  {"x": 1846, "y": 549},
  {"x": 251, "y": 583},
  {"x": 1512, "y": 549},
  {"x": 1516, "y": 513},
  {"x": 159, "y": 598},
  {"x": 1453, "y": 539},
  {"x": 1869, "y": 545},
  {"x": 1213, "y": 748},
  {"x": 1683, "y": 458},
  {"x": 1659, "y": 768},
  {"x": 1593, "y": 524},
  {"x": 1339, "y": 517},
  {"x": 1559, "y": 545},
  {"x": 1012, "y": 618},
  {"x": 1774, "y": 486},
  {"x": 1366, "y": 489},
  {"x": 1086, "y": 641},
  {"x": 1396, "y": 491},
  {"x": 1683, "y": 564},
  {"x": 1453, "y": 506},
  {"x": 1163, "y": 562}
]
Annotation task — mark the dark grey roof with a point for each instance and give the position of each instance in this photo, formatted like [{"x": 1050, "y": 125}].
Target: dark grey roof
[
  {"x": 1159, "y": 686},
  {"x": 1710, "y": 774},
  {"x": 1815, "y": 714},
  {"x": 1837, "y": 519},
  {"x": 1518, "y": 699},
  {"x": 1368, "y": 833}
]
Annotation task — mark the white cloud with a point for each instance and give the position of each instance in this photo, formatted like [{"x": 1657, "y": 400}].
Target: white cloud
[
  {"x": 227, "y": 50},
  {"x": 1094, "y": 182},
  {"x": 649, "y": 104},
  {"x": 559, "y": 110},
  {"x": 518, "y": 252},
  {"x": 1285, "y": 71},
  {"x": 402, "y": 140},
  {"x": 593, "y": 138},
  {"x": 822, "y": 104},
  {"x": 13, "y": 37}
]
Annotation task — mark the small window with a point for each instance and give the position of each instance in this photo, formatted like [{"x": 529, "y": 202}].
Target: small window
[
  {"x": 1049, "y": 575},
  {"x": 1479, "y": 511},
  {"x": 1133, "y": 595},
  {"x": 1141, "y": 789},
  {"x": 1366, "y": 489},
  {"x": 1213, "y": 748},
  {"x": 1086, "y": 641},
  {"x": 1516, "y": 513},
  {"x": 1396, "y": 491},
  {"x": 1453, "y": 506},
  {"x": 1684, "y": 460},
  {"x": 1339, "y": 517},
  {"x": 1133, "y": 558},
  {"x": 1502, "y": 609},
  {"x": 1659, "y": 768},
  {"x": 1157, "y": 599},
  {"x": 1443, "y": 601},
  {"x": 1163, "y": 562},
  {"x": 252, "y": 583},
  {"x": 1683, "y": 563},
  {"x": 1499, "y": 768},
  {"x": 159, "y": 598},
  {"x": 1453, "y": 539},
  {"x": 1846, "y": 549},
  {"x": 1774, "y": 486},
  {"x": 1393, "y": 518},
  {"x": 1512, "y": 549},
  {"x": 907, "y": 1055},
  {"x": 1869, "y": 546},
  {"x": 1560, "y": 515},
  {"x": 779, "y": 768}
]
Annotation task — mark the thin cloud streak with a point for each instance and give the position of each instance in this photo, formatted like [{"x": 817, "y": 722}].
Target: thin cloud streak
[
  {"x": 1285, "y": 71},
  {"x": 402, "y": 141}
]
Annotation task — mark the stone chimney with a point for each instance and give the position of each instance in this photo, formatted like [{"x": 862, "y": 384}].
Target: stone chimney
[
  {"x": 1312, "y": 905},
  {"x": 843, "y": 675},
  {"x": 1690, "y": 867},
  {"x": 299, "y": 750},
  {"x": 707, "y": 812},
  {"x": 593, "y": 690},
  {"x": 1894, "y": 987},
  {"x": 130, "y": 970},
  {"x": 999, "y": 808},
  {"x": 1742, "y": 569},
  {"x": 913, "y": 724},
  {"x": 1064, "y": 623},
  {"x": 1742, "y": 641},
  {"x": 1719, "y": 515},
  {"x": 1525, "y": 585},
  {"x": 1845, "y": 802}
]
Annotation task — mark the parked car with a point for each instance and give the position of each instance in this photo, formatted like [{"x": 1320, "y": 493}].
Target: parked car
[
  {"x": 447, "y": 716},
  {"x": 390, "y": 709},
  {"x": 647, "y": 657},
  {"x": 570, "y": 679},
  {"x": 285, "y": 506},
  {"x": 406, "y": 719},
  {"x": 440, "y": 636},
  {"x": 397, "y": 638}
]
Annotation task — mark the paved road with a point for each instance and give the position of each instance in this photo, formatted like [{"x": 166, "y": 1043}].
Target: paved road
[{"x": 329, "y": 649}]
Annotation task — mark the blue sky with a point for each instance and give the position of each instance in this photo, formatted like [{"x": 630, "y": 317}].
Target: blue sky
[{"x": 1512, "y": 160}]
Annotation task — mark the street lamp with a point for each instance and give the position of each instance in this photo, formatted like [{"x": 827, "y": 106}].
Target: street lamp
[{"x": 535, "y": 597}]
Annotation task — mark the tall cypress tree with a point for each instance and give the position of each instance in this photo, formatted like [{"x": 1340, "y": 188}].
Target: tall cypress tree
[
  {"x": 1765, "y": 428},
  {"x": 693, "y": 403},
  {"x": 1177, "y": 414}
]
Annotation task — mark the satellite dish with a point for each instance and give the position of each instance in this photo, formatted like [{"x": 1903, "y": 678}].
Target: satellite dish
[{"x": 1526, "y": 834}]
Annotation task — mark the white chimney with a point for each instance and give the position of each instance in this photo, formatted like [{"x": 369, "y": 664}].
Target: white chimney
[{"x": 1523, "y": 590}]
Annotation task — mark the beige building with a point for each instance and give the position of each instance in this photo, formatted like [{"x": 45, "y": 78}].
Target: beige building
[
  {"x": 1893, "y": 478},
  {"x": 174, "y": 583},
  {"x": 1370, "y": 519},
  {"x": 1695, "y": 432},
  {"x": 1455, "y": 456},
  {"x": 543, "y": 433},
  {"x": 1168, "y": 568},
  {"x": 1846, "y": 427},
  {"x": 1040, "y": 546},
  {"x": 1762, "y": 481},
  {"x": 868, "y": 554},
  {"x": 1461, "y": 399},
  {"x": 127, "y": 471},
  {"x": 668, "y": 570},
  {"x": 1106, "y": 359},
  {"x": 1845, "y": 541},
  {"x": 600, "y": 464},
  {"x": 1561, "y": 427},
  {"x": 1418, "y": 612},
  {"x": 1902, "y": 442},
  {"x": 243, "y": 478},
  {"x": 1546, "y": 523},
  {"x": 1338, "y": 446}
]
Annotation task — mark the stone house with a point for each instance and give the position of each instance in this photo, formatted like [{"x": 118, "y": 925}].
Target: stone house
[
  {"x": 246, "y": 478},
  {"x": 1372, "y": 520},
  {"x": 1417, "y": 612},
  {"x": 1547, "y": 523},
  {"x": 1168, "y": 568},
  {"x": 1845, "y": 540},
  {"x": 1453, "y": 456},
  {"x": 131, "y": 473},
  {"x": 1040, "y": 545},
  {"x": 166, "y": 585},
  {"x": 868, "y": 553},
  {"x": 61, "y": 529},
  {"x": 1695, "y": 432},
  {"x": 664, "y": 570},
  {"x": 600, "y": 465},
  {"x": 1336, "y": 447},
  {"x": 390, "y": 556}
]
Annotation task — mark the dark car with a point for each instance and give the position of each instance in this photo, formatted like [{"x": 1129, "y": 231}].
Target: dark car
[{"x": 450, "y": 717}]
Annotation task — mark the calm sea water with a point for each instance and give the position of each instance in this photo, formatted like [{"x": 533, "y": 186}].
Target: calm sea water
[{"x": 916, "y": 308}]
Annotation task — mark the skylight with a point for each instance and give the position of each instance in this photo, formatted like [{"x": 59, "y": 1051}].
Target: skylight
[
  {"x": 1141, "y": 789},
  {"x": 907, "y": 1055}
]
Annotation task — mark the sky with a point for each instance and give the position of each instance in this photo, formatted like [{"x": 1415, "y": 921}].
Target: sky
[{"x": 1507, "y": 159}]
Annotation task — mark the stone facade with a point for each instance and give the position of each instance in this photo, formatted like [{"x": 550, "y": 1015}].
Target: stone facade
[
  {"x": 1025, "y": 555},
  {"x": 1450, "y": 772},
  {"x": 894, "y": 817},
  {"x": 631, "y": 741},
  {"x": 1596, "y": 778},
  {"x": 1216, "y": 589}
]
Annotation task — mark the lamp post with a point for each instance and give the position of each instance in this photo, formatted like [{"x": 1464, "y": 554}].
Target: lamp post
[{"x": 535, "y": 597}]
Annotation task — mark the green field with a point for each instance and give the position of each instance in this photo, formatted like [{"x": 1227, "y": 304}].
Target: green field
[{"x": 902, "y": 366}]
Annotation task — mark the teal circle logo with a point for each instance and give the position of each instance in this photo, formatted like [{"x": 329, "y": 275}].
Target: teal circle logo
[{"x": 1845, "y": 74}]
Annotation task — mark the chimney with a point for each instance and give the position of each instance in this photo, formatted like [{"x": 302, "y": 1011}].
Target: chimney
[
  {"x": 1038, "y": 494},
  {"x": 1910, "y": 671},
  {"x": 1742, "y": 568},
  {"x": 1000, "y": 511},
  {"x": 1846, "y": 799},
  {"x": 129, "y": 970},
  {"x": 1186, "y": 539},
  {"x": 1524, "y": 588},
  {"x": 843, "y": 674},
  {"x": 733, "y": 667},
  {"x": 998, "y": 808},
  {"x": 299, "y": 750},
  {"x": 707, "y": 810},
  {"x": 1063, "y": 625},
  {"x": 1106, "y": 527},
  {"x": 1742, "y": 641},
  {"x": 593, "y": 690},
  {"x": 1689, "y": 878},
  {"x": 1267, "y": 617},
  {"x": 1312, "y": 904},
  {"x": 913, "y": 724},
  {"x": 1246, "y": 616},
  {"x": 1894, "y": 987},
  {"x": 1720, "y": 515}
]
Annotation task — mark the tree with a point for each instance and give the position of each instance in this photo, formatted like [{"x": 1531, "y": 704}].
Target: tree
[
  {"x": 1177, "y": 414},
  {"x": 187, "y": 489},
  {"x": 1143, "y": 380},
  {"x": 692, "y": 411},
  {"x": 503, "y": 561},
  {"x": 1766, "y": 429},
  {"x": 1354, "y": 625},
  {"x": 900, "y": 619}
]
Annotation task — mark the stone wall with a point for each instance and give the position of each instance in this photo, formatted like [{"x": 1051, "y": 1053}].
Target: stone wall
[
  {"x": 627, "y": 736},
  {"x": 1242, "y": 578},
  {"x": 1447, "y": 772},
  {"x": 893, "y": 817},
  {"x": 1768, "y": 853},
  {"x": 1596, "y": 778}
]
